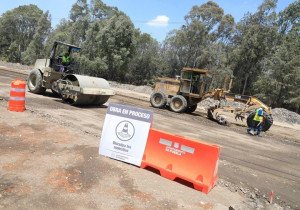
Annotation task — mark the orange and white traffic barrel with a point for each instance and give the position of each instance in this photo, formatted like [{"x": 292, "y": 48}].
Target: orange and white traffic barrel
[{"x": 16, "y": 101}]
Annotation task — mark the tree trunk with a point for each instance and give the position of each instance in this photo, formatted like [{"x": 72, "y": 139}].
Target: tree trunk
[
  {"x": 279, "y": 101},
  {"x": 245, "y": 84}
]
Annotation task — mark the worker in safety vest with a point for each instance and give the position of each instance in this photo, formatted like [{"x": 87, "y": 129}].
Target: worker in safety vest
[
  {"x": 257, "y": 122},
  {"x": 65, "y": 61}
]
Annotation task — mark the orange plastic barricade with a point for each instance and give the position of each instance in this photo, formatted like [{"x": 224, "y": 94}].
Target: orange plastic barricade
[
  {"x": 16, "y": 101},
  {"x": 177, "y": 157}
]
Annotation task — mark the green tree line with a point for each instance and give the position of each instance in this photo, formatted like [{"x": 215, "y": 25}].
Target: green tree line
[{"x": 261, "y": 52}]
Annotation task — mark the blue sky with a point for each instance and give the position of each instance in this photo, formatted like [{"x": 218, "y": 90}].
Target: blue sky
[{"x": 156, "y": 17}]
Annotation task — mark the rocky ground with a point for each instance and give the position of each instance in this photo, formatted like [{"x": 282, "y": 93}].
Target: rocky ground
[
  {"x": 138, "y": 89},
  {"x": 16, "y": 66},
  {"x": 284, "y": 115}
]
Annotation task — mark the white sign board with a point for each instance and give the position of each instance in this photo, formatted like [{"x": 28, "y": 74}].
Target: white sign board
[{"x": 125, "y": 133}]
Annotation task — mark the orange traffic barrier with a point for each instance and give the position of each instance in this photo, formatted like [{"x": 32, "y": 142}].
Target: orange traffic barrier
[
  {"x": 180, "y": 158},
  {"x": 16, "y": 101}
]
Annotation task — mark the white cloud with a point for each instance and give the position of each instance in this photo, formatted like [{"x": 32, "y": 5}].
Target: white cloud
[{"x": 159, "y": 21}]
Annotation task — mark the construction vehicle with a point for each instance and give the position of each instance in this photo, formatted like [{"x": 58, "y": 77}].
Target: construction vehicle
[
  {"x": 193, "y": 86},
  {"x": 51, "y": 73}
]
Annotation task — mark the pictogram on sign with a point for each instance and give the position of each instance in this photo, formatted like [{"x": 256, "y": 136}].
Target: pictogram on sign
[{"x": 125, "y": 130}]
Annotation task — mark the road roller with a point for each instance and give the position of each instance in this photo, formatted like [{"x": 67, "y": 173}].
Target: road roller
[{"x": 56, "y": 73}]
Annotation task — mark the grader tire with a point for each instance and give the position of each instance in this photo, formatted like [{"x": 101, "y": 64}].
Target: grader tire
[
  {"x": 178, "y": 104},
  {"x": 268, "y": 121},
  {"x": 35, "y": 82},
  {"x": 158, "y": 99},
  {"x": 191, "y": 109}
]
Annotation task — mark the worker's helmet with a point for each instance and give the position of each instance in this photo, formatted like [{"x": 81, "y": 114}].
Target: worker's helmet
[{"x": 260, "y": 111}]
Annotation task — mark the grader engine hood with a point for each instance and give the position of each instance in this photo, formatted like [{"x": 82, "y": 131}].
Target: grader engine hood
[{"x": 83, "y": 90}]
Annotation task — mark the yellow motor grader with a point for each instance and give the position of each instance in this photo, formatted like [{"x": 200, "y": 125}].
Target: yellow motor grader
[
  {"x": 182, "y": 94},
  {"x": 52, "y": 73}
]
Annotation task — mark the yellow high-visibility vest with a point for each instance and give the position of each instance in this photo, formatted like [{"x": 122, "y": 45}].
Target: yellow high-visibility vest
[
  {"x": 257, "y": 117},
  {"x": 65, "y": 59}
]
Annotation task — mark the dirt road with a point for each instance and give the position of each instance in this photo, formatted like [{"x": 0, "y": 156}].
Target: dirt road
[{"x": 249, "y": 166}]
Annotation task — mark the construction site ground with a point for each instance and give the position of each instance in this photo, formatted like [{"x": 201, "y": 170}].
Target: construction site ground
[{"x": 49, "y": 159}]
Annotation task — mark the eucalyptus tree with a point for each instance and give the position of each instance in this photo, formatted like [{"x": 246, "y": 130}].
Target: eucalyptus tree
[
  {"x": 147, "y": 63},
  {"x": 202, "y": 42},
  {"x": 280, "y": 80},
  {"x": 36, "y": 47},
  {"x": 254, "y": 40},
  {"x": 18, "y": 27}
]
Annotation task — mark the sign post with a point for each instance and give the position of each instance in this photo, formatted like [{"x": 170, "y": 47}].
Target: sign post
[{"x": 125, "y": 133}]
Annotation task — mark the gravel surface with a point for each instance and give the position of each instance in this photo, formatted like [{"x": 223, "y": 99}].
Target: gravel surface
[
  {"x": 15, "y": 65},
  {"x": 209, "y": 102},
  {"x": 284, "y": 115},
  {"x": 139, "y": 89}
]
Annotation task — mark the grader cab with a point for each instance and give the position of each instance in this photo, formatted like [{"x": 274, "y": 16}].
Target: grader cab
[{"x": 52, "y": 73}]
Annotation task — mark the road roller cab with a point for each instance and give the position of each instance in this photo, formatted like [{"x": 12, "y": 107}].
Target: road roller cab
[
  {"x": 52, "y": 73},
  {"x": 59, "y": 50}
]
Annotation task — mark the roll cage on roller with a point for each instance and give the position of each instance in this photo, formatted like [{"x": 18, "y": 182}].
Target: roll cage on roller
[{"x": 56, "y": 55}]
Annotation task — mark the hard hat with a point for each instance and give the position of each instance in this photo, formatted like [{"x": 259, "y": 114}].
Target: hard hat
[{"x": 260, "y": 112}]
